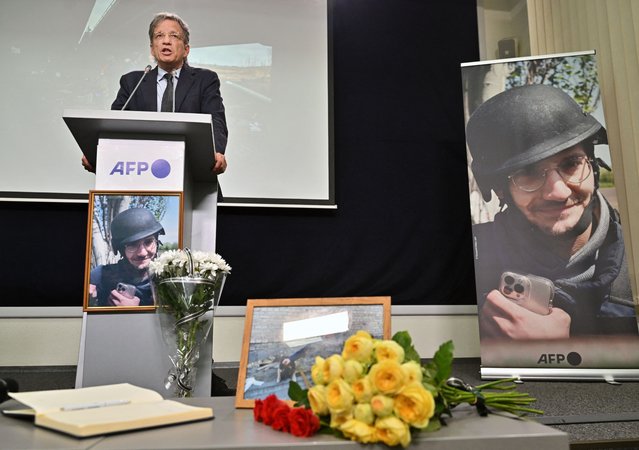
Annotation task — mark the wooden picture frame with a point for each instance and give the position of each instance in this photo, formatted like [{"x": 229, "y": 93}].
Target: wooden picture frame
[
  {"x": 283, "y": 336},
  {"x": 141, "y": 217}
]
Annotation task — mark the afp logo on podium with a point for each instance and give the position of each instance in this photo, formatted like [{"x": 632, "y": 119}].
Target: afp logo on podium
[
  {"x": 160, "y": 168},
  {"x": 140, "y": 165}
]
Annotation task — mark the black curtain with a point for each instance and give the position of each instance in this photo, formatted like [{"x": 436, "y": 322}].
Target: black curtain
[
  {"x": 42, "y": 254},
  {"x": 402, "y": 227}
]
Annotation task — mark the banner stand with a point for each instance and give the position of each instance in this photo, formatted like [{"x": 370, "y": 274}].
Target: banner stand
[
  {"x": 611, "y": 376},
  {"x": 555, "y": 301}
]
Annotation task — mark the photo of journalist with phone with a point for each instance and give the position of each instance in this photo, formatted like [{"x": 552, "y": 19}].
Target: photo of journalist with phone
[
  {"x": 125, "y": 236},
  {"x": 550, "y": 263}
]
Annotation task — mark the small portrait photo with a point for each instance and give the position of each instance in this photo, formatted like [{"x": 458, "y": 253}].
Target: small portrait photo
[
  {"x": 125, "y": 232},
  {"x": 282, "y": 337}
]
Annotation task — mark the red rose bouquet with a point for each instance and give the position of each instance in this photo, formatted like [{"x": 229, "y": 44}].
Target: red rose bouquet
[{"x": 299, "y": 421}]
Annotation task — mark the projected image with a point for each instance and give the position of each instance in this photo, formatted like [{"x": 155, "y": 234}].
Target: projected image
[
  {"x": 126, "y": 232},
  {"x": 273, "y": 74},
  {"x": 245, "y": 71}
]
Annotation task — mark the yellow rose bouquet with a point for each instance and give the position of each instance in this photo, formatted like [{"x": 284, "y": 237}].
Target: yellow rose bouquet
[{"x": 379, "y": 391}]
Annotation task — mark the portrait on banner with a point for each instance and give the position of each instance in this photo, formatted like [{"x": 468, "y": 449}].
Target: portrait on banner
[{"x": 549, "y": 254}]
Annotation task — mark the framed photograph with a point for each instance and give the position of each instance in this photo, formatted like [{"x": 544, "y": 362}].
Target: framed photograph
[
  {"x": 125, "y": 232},
  {"x": 282, "y": 337}
]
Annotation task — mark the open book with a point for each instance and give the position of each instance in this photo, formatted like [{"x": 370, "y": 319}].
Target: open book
[{"x": 104, "y": 409}]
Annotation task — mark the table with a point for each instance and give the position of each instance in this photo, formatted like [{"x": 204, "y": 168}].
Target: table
[{"x": 235, "y": 429}]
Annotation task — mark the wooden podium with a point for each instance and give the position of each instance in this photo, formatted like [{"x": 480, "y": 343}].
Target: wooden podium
[{"x": 124, "y": 147}]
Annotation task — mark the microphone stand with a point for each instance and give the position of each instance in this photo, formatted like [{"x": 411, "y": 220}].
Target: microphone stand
[{"x": 146, "y": 70}]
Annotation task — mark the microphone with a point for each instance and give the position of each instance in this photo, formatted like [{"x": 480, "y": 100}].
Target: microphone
[
  {"x": 147, "y": 69},
  {"x": 7, "y": 385}
]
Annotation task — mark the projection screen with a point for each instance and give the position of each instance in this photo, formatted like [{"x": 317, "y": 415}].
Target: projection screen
[{"x": 272, "y": 57}]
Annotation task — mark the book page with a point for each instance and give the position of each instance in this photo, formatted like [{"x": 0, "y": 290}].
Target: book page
[
  {"x": 54, "y": 400},
  {"x": 110, "y": 419}
]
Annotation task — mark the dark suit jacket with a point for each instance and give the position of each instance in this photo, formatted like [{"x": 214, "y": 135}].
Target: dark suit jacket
[{"x": 198, "y": 91}]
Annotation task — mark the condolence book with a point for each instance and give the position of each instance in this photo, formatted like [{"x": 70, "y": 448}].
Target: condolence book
[{"x": 104, "y": 409}]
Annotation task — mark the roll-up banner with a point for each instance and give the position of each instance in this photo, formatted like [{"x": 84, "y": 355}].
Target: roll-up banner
[{"x": 553, "y": 292}]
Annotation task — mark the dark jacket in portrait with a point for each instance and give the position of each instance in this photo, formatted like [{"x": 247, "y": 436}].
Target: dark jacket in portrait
[
  {"x": 592, "y": 285},
  {"x": 106, "y": 278}
]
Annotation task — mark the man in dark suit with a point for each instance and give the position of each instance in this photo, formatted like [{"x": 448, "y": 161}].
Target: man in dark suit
[{"x": 173, "y": 85}]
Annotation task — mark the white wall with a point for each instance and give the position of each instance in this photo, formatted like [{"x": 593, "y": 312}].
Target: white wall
[
  {"x": 495, "y": 25},
  {"x": 55, "y": 341}
]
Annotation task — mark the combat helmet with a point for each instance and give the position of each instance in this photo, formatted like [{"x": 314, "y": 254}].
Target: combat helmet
[
  {"x": 522, "y": 126},
  {"x": 131, "y": 225}
]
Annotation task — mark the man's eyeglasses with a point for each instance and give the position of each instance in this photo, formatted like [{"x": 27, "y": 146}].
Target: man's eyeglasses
[
  {"x": 149, "y": 243},
  {"x": 573, "y": 170},
  {"x": 172, "y": 36}
]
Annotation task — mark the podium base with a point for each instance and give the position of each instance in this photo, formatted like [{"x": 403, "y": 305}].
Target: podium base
[{"x": 128, "y": 348}]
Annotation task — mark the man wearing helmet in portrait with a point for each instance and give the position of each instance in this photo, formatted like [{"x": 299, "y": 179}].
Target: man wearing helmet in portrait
[
  {"x": 134, "y": 236},
  {"x": 551, "y": 265}
]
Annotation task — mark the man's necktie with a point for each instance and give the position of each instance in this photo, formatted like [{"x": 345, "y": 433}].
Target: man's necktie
[{"x": 167, "y": 98}]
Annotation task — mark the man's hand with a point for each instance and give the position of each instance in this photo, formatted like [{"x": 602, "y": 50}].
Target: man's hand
[
  {"x": 501, "y": 317},
  {"x": 93, "y": 291},
  {"x": 87, "y": 166},
  {"x": 220, "y": 164},
  {"x": 117, "y": 299}
]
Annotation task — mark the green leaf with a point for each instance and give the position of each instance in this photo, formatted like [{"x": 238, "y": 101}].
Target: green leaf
[
  {"x": 403, "y": 338},
  {"x": 410, "y": 354},
  {"x": 298, "y": 395},
  {"x": 429, "y": 387},
  {"x": 326, "y": 429},
  {"x": 443, "y": 361},
  {"x": 433, "y": 425}
]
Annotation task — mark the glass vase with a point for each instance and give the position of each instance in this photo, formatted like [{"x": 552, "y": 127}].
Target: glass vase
[{"x": 186, "y": 307}]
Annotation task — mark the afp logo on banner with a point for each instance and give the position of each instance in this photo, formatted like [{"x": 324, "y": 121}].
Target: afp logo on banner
[
  {"x": 572, "y": 358},
  {"x": 160, "y": 168}
]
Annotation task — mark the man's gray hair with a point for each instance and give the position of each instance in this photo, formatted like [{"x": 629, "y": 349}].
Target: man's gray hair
[{"x": 159, "y": 17}]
